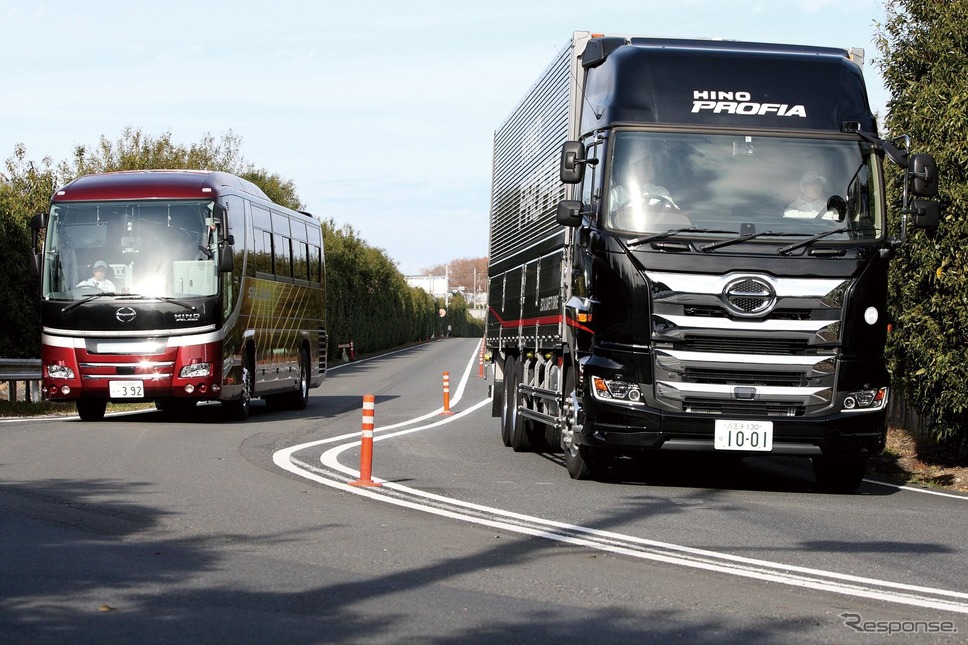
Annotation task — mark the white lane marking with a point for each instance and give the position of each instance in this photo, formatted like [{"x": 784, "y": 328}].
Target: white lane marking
[
  {"x": 805, "y": 577},
  {"x": 913, "y": 489}
]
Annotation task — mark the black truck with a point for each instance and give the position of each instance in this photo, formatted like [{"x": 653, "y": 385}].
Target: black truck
[{"x": 689, "y": 251}]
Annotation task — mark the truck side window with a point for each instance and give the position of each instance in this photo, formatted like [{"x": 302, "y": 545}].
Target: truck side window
[{"x": 590, "y": 188}]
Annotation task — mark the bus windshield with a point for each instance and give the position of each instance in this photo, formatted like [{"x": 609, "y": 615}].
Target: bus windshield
[
  {"x": 149, "y": 248},
  {"x": 742, "y": 184}
]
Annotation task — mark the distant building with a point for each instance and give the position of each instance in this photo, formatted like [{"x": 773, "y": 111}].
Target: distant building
[{"x": 437, "y": 286}]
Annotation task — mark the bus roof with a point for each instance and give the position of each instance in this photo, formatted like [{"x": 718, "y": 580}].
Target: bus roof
[{"x": 154, "y": 184}]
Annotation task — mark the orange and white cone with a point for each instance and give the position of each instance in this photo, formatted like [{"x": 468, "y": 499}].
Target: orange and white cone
[{"x": 366, "y": 445}]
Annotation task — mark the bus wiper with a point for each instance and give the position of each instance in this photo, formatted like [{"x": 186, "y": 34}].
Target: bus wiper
[
  {"x": 811, "y": 240},
  {"x": 176, "y": 302},
  {"x": 136, "y": 296},
  {"x": 93, "y": 296},
  {"x": 671, "y": 232}
]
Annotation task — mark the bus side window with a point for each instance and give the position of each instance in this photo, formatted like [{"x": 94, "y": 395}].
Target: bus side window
[
  {"x": 315, "y": 265},
  {"x": 283, "y": 256}
]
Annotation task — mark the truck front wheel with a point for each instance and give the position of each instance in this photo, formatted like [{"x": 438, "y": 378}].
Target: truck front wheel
[
  {"x": 839, "y": 474},
  {"x": 579, "y": 460}
]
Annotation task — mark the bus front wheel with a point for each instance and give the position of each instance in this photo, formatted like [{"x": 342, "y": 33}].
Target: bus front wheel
[{"x": 91, "y": 409}]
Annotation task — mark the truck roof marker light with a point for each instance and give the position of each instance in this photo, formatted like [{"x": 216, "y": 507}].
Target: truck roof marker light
[{"x": 206, "y": 190}]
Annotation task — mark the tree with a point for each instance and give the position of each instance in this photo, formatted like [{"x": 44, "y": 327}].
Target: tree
[
  {"x": 368, "y": 299},
  {"x": 25, "y": 191},
  {"x": 28, "y": 186},
  {"x": 462, "y": 273},
  {"x": 924, "y": 44}
]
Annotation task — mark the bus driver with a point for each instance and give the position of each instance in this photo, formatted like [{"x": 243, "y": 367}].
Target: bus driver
[{"x": 98, "y": 279}]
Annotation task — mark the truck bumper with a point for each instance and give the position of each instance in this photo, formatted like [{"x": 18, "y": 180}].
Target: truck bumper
[{"x": 632, "y": 429}]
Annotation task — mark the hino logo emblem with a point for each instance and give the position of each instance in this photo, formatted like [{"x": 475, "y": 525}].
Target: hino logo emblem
[
  {"x": 749, "y": 297},
  {"x": 125, "y": 314}
]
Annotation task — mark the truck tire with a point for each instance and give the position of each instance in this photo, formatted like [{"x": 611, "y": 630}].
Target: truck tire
[
  {"x": 581, "y": 461},
  {"x": 506, "y": 400},
  {"x": 91, "y": 409},
  {"x": 839, "y": 475},
  {"x": 518, "y": 427}
]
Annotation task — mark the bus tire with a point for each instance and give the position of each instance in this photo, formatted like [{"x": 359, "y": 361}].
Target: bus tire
[
  {"x": 91, "y": 409},
  {"x": 238, "y": 410},
  {"x": 300, "y": 399}
]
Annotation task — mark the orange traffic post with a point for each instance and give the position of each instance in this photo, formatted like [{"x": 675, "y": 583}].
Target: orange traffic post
[
  {"x": 480, "y": 372},
  {"x": 366, "y": 445},
  {"x": 446, "y": 394}
]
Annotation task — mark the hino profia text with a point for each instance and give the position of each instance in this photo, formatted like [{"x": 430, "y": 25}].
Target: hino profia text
[{"x": 689, "y": 251}]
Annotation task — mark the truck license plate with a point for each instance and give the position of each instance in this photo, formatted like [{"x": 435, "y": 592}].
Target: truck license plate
[
  {"x": 755, "y": 436},
  {"x": 126, "y": 389}
]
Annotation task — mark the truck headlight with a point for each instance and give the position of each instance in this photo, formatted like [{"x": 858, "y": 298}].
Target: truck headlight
[
  {"x": 865, "y": 400},
  {"x": 616, "y": 390}
]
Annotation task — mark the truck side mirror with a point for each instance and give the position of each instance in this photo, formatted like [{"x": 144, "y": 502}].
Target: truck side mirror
[
  {"x": 569, "y": 212},
  {"x": 38, "y": 221},
  {"x": 572, "y": 162},
  {"x": 839, "y": 205},
  {"x": 924, "y": 175},
  {"x": 925, "y": 214}
]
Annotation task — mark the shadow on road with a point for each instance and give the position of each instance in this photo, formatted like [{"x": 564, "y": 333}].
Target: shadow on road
[{"x": 69, "y": 553}]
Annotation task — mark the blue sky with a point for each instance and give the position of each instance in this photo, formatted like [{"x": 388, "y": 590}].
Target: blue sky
[{"x": 381, "y": 113}]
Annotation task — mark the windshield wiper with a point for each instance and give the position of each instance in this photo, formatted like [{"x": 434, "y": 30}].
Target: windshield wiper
[
  {"x": 736, "y": 240},
  {"x": 93, "y": 296},
  {"x": 136, "y": 296},
  {"x": 811, "y": 240},
  {"x": 671, "y": 232}
]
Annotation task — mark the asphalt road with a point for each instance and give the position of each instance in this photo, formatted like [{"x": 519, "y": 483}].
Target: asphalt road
[{"x": 145, "y": 529}]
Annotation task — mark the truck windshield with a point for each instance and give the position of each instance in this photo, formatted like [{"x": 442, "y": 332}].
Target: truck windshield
[
  {"x": 154, "y": 249},
  {"x": 732, "y": 184}
]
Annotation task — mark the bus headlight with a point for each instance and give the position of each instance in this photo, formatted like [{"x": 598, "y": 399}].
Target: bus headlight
[
  {"x": 59, "y": 370},
  {"x": 195, "y": 370},
  {"x": 616, "y": 390}
]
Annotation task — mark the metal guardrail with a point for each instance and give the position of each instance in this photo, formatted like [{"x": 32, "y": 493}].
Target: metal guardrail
[{"x": 15, "y": 370}]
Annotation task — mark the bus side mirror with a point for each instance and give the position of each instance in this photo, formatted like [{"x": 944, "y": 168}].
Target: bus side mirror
[
  {"x": 924, "y": 175},
  {"x": 37, "y": 223},
  {"x": 572, "y": 162},
  {"x": 226, "y": 259}
]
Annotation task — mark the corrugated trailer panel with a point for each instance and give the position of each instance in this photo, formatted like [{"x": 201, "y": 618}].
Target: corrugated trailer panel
[
  {"x": 525, "y": 187},
  {"x": 526, "y": 253}
]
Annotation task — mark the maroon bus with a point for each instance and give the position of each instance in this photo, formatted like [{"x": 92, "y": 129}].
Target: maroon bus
[{"x": 179, "y": 286}]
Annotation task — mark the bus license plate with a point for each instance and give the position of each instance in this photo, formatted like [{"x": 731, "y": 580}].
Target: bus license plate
[
  {"x": 750, "y": 436},
  {"x": 126, "y": 389}
]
